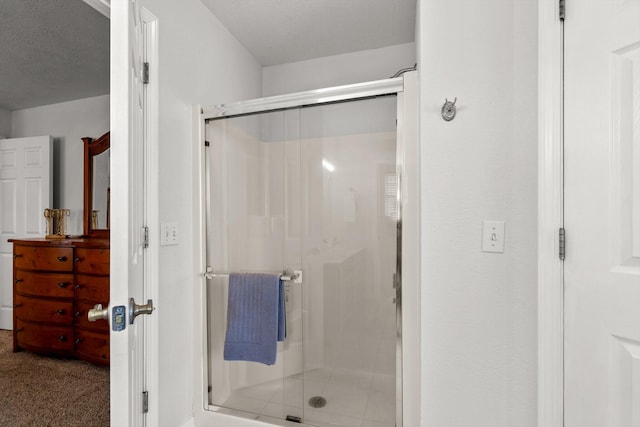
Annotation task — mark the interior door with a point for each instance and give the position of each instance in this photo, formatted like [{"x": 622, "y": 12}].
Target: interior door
[
  {"x": 127, "y": 221},
  {"x": 602, "y": 213},
  {"x": 25, "y": 191}
]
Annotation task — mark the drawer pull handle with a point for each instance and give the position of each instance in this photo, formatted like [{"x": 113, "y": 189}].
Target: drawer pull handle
[
  {"x": 62, "y": 338},
  {"x": 78, "y": 259},
  {"x": 61, "y": 311},
  {"x": 19, "y": 281},
  {"x": 78, "y": 286},
  {"x": 17, "y": 256},
  {"x": 63, "y": 284},
  {"x": 78, "y": 341},
  {"x": 78, "y": 313}
]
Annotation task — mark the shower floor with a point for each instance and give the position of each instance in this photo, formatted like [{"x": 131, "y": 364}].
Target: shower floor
[{"x": 354, "y": 399}]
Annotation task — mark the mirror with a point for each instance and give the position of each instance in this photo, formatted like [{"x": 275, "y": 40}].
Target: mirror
[{"x": 97, "y": 186}]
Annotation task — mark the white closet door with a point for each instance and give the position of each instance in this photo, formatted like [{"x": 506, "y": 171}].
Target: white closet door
[
  {"x": 602, "y": 213},
  {"x": 25, "y": 191}
]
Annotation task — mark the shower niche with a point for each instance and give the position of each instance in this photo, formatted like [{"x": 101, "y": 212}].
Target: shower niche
[{"x": 314, "y": 190}]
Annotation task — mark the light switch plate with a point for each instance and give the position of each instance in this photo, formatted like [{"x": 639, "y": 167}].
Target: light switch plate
[
  {"x": 169, "y": 234},
  {"x": 493, "y": 236}
]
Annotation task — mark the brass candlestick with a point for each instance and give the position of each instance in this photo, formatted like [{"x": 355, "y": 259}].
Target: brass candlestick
[
  {"x": 94, "y": 220},
  {"x": 49, "y": 217},
  {"x": 56, "y": 223}
]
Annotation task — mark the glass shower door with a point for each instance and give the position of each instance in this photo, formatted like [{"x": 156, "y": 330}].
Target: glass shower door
[
  {"x": 349, "y": 211},
  {"x": 248, "y": 233},
  {"x": 314, "y": 190}
]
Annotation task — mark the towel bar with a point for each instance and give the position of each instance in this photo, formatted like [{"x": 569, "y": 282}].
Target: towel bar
[{"x": 285, "y": 277}]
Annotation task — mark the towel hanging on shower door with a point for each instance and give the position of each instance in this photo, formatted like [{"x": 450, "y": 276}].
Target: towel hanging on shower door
[{"x": 256, "y": 318}]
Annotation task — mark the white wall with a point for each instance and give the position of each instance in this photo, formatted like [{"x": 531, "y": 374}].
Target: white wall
[
  {"x": 67, "y": 123},
  {"x": 356, "y": 67},
  {"x": 199, "y": 62},
  {"x": 478, "y": 309},
  {"x": 5, "y": 123}
]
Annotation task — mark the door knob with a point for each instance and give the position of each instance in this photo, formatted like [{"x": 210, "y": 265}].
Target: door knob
[
  {"x": 135, "y": 310},
  {"x": 98, "y": 313}
]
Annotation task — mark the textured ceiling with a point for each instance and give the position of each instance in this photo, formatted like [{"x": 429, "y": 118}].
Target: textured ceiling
[
  {"x": 51, "y": 51},
  {"x": 282, "y": 31}
]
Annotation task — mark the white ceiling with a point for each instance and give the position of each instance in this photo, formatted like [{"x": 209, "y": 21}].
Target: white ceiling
[
  {"x": 283, "y": 31},
  {"x": 51, "y": 51},
  {"x": 55, "y": 51}
]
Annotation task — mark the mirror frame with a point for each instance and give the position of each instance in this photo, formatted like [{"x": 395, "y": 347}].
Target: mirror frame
[{"x": 91, "y": 149}]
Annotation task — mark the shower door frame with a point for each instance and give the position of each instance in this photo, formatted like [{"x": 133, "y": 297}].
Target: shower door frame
[{"x": 408, "y": 377}]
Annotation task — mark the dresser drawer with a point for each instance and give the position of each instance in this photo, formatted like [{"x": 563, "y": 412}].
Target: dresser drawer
[
  {"x": 44, "y": 284},
  {"x": 92, "y": 346},
  {"x": 82, "y": 321},
  {"x": 47, "y": 339},
  {"x": 92, "y": 261},
  {"x": 92, "y": 288},
  {"x": 45, "y": 259},
  {"x": 40, "y": 310}
]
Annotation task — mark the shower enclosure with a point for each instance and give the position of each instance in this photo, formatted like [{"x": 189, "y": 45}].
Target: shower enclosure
[{"x": 310, "y": 192}]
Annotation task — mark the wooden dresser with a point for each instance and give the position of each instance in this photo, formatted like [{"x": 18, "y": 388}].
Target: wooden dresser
[{"x": 55, "y": 283}]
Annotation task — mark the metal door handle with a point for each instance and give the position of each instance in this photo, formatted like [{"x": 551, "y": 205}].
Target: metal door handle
[
  {"x": 98, "y": 313},
  {"x": 135, "y": 310}
]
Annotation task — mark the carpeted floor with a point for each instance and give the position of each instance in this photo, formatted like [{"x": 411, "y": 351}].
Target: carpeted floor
[{"x": 42, "y": 391}]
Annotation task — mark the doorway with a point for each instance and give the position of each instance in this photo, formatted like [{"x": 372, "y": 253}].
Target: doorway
[{"x": 44, "y": 97}]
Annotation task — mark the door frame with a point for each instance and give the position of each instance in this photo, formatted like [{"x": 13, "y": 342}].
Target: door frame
[
  {"x": 152, "y": 203},
  {"x": 550, "y": 214},
  {"x": 119, "y": 27}
]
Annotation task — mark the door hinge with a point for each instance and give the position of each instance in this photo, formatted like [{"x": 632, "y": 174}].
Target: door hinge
[
  {"x": 145, "y": 230},
  {"x": 562, "y": 10},
  {"x": 562, "y": 244},
  {"x": 206, "y": 143},
  {"x": 145, "y": 73},
  {"x": 145, "y": 402}
]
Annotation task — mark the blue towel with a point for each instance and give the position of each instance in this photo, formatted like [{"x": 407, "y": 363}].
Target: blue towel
[{"x": 256, "y": 318}]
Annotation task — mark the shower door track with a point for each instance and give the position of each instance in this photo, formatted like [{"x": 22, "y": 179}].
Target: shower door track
[
  {"x": 308, "y": 98},
  {"x": 337, "y": 94}
]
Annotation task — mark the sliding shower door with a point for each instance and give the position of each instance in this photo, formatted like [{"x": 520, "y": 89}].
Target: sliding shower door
[
  {"x": 311, "y": 190},
  {"x": 247, "y": 233}
]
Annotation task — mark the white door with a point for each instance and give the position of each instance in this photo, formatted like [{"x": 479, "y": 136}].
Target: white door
[
  {"x": 602, "y": 213},
  {"x": 127, "y": 220},
  {"x": 25, "y": 191}
]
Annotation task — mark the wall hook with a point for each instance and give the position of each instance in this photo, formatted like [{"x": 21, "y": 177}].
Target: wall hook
[{"x": 449, "y": 109}]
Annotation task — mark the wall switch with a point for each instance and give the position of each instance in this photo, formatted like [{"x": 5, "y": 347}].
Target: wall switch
[
  {"x": 169, "y": 234},
  {"x": 493, "y": 236}
]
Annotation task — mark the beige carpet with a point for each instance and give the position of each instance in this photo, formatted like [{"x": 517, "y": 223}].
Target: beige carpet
[{"x": 50, "y": 392}]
